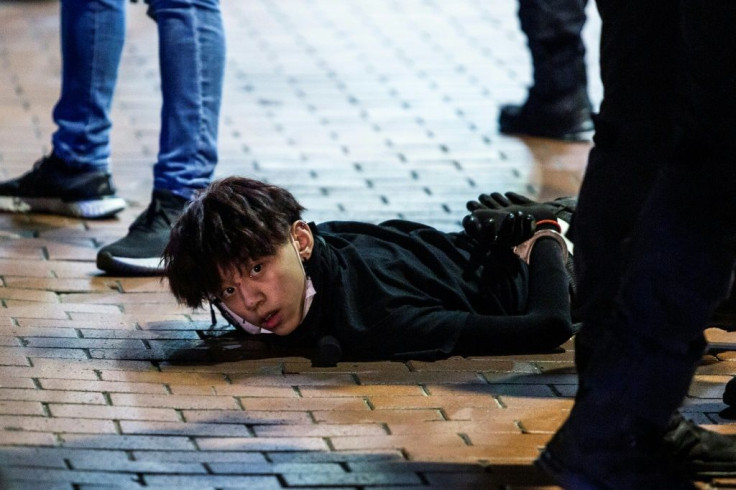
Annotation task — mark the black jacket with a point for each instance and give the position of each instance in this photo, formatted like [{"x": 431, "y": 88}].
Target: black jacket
[{"x": 405, "y": 290}]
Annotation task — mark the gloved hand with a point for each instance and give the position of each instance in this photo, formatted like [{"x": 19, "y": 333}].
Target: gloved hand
[
  {"x": 516, "y": 203},
  {"x": 499, "y": 226}
]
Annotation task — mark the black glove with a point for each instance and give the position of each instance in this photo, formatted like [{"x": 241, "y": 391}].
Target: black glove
[
  {"x": 499, "y": 226},
  {"x": 516, "y": 203}
]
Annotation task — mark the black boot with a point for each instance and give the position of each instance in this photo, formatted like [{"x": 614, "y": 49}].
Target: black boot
[
  {"x": 558, "y": 105},
  {"x": 614, "y": 437},
  {"x": 565, "y": 117}
]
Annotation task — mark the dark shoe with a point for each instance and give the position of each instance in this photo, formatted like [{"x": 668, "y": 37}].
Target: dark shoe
[
  {"x": 51, "y": 187},
  {"x": 140, "y": 252},
  {"x": 703, "y": 453},
  {"x": 622, "y": 465},
  {"x": 566, "y": 118}
]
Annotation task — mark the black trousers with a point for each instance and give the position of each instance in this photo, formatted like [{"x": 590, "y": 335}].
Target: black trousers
[
  {"x": 553, "y": 29},
  {"x": 654, "y": 229}
]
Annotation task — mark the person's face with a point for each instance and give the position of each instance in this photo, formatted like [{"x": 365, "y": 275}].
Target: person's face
[{"x": 269, "y": 292}]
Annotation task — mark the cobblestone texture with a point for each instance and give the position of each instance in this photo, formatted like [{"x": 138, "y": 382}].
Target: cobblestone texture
[{"x": 365, "y": 110}]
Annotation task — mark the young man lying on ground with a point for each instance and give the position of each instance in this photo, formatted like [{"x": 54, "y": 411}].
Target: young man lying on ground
[
  {"x": 391, "y": 291},
  {"x": 394, "y": 290}
]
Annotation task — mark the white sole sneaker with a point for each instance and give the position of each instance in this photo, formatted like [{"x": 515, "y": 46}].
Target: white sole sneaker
[
  {"x": 91, "y": 209},
  {"x": 128, "y": 266}
]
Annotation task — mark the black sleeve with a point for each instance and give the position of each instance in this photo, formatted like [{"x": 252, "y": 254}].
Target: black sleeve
[
  {"x": 546, "y": 323},
  {"x": 431, "y": 332}
]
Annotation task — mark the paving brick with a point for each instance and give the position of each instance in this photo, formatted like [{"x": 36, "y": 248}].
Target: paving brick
[
  {"x": 21, "y": 408},
  {"x": 360, "y": 391},
  {"x": 13, "y": 357},
  {"x": 212, "y": 481},
  {"x": 127, "y": 466},
  {"x": 304, "y": 404},
  {"x": 387, "y": 416},
  {"x": 239, "y": 458},
  {"x": 173, "y": 401},
  {"x": 93, "y": 365},
  {"x": 101, "y": 386},
  {"x": 310, "y": 379},
  {"x": 246, "y": 417},
  {"x": 28, "y": 295},
  {"x": 64, "y": 285},
  {"x": 40, "y": 476},
  {"x": 325, "y": 469},
  {"x": 126, "y": 442},
  {"x": 19, "y": 438},
  {"x": 16, "y": 383},
  {"x": 478, "y": 364},
  {"x": 45, "y": 424},
  {"x": 185, "y": 428},
  {"x": 31, "y": 332},
  {"x": 52, "y": 396},
  {"x": 435, "y": 440},
  {"x": 434, "y": 401},
  {"x": 353, "y": 478},
  {"x": 47, "y": 372},
  {"x": 424, "y": 377},
  {"x": 108, "y": 412},
  {"x": 10, "y": 341},
  {"x": 261, "y": 444},
  {"x": 319, "y": 430}
]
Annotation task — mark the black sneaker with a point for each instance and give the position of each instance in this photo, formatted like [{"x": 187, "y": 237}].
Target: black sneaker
[
  {"x": 139, "y": 253},
  {"x": 51, "y": 187},
  {"x": 566, "y": 118},
  {"x": 704, "y": 454}
]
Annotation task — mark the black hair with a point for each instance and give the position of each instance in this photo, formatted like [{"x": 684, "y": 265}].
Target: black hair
[{"x": 233, "y": 221}]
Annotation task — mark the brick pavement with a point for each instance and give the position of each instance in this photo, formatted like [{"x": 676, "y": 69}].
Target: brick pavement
[{"x": 365, "y": 110}]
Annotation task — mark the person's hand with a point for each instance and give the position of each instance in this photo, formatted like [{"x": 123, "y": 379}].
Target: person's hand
[
  {"x": 516, "y": 203},
  {"x": 499, "y": 226}
]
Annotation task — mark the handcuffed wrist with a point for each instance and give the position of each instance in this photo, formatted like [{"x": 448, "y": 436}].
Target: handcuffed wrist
[
  {"x": 524, "y": 250},
  {"x": 546, "y": 223}
]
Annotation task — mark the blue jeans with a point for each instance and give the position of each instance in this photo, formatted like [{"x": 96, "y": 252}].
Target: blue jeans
[{"x": 192, "y": 61}]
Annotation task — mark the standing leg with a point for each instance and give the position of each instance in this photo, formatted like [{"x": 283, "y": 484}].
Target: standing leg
[
  {"x": 642, "y": 333},
  {"x": 74, "y": 180},
  {"x": 192, "y": 61},
  {"x": 192, "y": 58},
  {"x": 92, "y": 37},
  {"x": 558, "y": 105}
]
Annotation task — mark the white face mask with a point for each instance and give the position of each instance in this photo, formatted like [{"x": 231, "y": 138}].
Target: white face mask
[{"x": 309, "y": 293}]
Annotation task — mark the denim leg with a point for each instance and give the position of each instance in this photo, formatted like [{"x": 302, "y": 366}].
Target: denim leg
[
  {"x": 192, "y": 59},
  {"x": 553, "y": 29},
  {"x": 92, "y": 36}
]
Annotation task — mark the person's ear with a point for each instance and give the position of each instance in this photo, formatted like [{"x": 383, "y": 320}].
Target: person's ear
[{"x": 303, "y": 239}]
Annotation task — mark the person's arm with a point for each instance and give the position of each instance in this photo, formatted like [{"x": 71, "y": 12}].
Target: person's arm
[
  {"x": 418, "y": 331},
  {"x": 546, "y": 323}
]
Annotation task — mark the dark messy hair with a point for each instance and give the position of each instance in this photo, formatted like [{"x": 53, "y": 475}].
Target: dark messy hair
[{"x": 233, "y": 221}]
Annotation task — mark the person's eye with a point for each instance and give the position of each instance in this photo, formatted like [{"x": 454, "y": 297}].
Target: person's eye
[
  {"x": 227, "y": 292},
  {"x": 256, "y": 269}
]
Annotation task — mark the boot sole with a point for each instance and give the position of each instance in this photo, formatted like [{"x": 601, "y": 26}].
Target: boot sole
[
  {"x": 90, "y": 209},
  {"x": 128, "y": 266}
]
